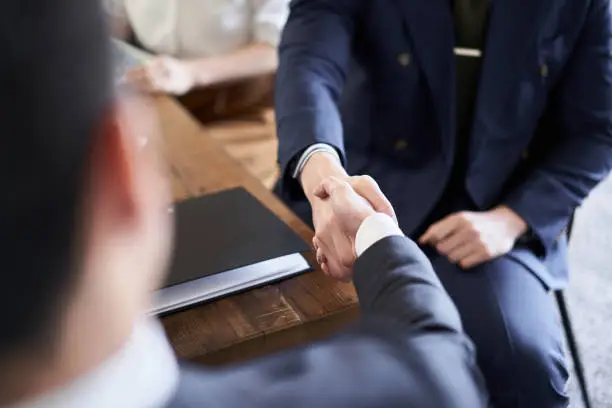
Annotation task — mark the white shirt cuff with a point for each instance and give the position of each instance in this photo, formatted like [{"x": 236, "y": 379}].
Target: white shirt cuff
[
  {"x": 315, "y": 148},
  {"x": 374, "y": 228}
]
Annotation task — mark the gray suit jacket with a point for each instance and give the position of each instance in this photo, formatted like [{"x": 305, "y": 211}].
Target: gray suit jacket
[{"x": 408, "y": 351}]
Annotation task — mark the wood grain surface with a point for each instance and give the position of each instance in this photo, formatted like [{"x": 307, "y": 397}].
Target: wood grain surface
[{"x": 257, "y": 322}]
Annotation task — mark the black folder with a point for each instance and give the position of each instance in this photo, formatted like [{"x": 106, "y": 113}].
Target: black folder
[{"x": 225, "y": 243}]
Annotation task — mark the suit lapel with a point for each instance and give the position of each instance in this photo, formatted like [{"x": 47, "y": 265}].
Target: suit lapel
[
  {"x": 512, "y": 40},
  {"x": 429, "y": 25}
]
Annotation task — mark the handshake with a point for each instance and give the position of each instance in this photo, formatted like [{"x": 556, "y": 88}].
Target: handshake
[
  {"x": 341, "y": 203},
  {"x": 340, "y": 206}
]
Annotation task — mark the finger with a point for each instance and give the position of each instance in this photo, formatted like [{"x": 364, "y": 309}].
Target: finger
[
  {"x": 321, "y": 258},
  {"x": 345, "y": 250},
  {"x": 158, "y": 73},
  {"x": 464, "y": 251},
  {"x": 323, "y": 252},
  {"x": 335, "y": 261},
  {"x": 335, "y": 269},
  {"x": 325, "y": 269},
  {"x": 157, "y": 81},
  {"x": 325, "y": 245},
  {"x": 315, "y": 243},
  {"x": 441, "y": 230},
  {"x": 455, "y": 240},
  {"x": 366, "y": 187},
  {"x": 474, "y": 260},
  {"x": 328, "y": 187}
]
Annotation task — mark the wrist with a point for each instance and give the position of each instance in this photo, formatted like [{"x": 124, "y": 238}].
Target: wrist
[
  {"x": 515, "y": 223},
  {"x": 318, "y": 167}
]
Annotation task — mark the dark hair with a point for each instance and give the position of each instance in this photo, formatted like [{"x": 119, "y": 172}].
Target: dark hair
[{"x": 55, "y": 87}]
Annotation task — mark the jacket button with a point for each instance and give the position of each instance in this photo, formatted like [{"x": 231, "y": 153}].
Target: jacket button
[
  {"x": 401, "y": 144},
  {"x": 525, "y": 154},
  {"x": 544, "y": 70},
  {"x": 403, "y": 59}
]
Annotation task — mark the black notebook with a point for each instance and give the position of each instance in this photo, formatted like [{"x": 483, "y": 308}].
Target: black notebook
[{"x": 225, "y": 243}]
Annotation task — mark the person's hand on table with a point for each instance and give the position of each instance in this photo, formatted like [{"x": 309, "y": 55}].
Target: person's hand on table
[
  {"x": 162, "y": 75},
  {"x": 344, "y": 205},
  {"x": 472, "y": 238}
]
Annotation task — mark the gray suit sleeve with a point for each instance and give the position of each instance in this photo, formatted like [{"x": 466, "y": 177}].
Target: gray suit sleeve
[
  {"x": 409, "y": 351},
  {"x": 395, "y": 281}
]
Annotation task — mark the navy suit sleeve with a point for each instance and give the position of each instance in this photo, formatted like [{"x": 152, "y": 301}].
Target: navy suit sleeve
[
  {"x": 313, "y": 57},
  {"x": 409, "y": 351},
  {"x": 583, "y": 157}
]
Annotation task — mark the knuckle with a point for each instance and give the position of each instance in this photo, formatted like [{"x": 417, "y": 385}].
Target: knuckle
[
  {"x": 344, "y": 185},
  {"x": 362, "y": 180},
  {"x": 368, "y": 179},
  {"x": 465, "y": 215}
]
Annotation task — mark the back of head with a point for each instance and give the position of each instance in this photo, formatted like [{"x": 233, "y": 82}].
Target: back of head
[{"x": 56, "y": 86}]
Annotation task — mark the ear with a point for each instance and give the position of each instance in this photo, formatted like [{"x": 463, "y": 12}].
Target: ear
[{"x": 113, "y": 166}]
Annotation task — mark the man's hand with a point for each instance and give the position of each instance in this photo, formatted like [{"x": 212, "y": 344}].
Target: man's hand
[
  {"x": 162, "y": 75},
  {"x": 319, "y": 167},
  {"x": 472, "y": 238},
  {"x": 344, "y": 205}
]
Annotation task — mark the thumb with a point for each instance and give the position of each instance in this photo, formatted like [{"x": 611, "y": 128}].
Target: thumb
[{"x": 366, "y": 187}]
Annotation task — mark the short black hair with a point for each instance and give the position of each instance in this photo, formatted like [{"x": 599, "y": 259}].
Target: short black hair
[{"x": 55, "y": 88}]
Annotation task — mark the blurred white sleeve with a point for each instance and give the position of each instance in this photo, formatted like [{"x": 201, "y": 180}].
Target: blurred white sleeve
[
  {"x": 374, "y": 228},
  {"x": 269, "y": 18}
]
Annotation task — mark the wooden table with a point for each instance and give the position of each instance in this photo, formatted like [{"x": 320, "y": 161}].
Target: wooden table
[{"x": 260, "y": 321}]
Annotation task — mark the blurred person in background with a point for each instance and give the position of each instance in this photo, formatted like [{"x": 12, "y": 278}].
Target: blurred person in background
[
  {"x": 486, "y": 123},
  {"x": 220, "y": 57},
  {"x": 85, "y": 237}
]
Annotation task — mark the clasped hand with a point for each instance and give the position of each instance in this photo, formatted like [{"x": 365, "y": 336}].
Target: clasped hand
[{"x": 340, "y": 207}]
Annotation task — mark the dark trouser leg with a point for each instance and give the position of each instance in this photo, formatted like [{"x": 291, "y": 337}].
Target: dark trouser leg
[{"x": 511, "y": 319}]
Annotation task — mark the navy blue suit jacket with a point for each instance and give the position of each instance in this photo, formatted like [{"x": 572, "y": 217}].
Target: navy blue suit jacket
[
  {"x": 409, "y": 351},
  {"x": 376, "y": 80}
]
